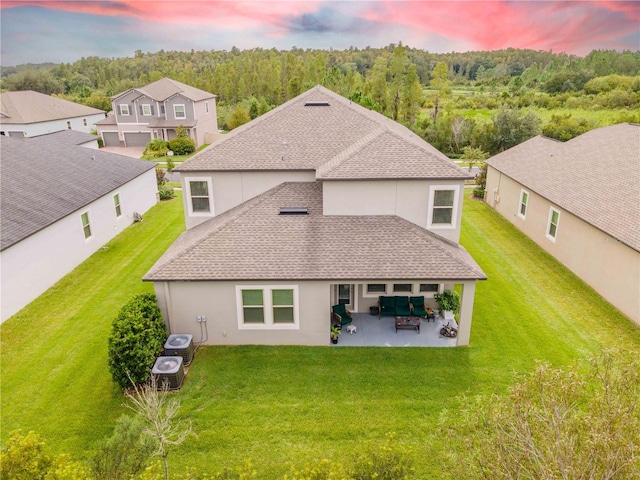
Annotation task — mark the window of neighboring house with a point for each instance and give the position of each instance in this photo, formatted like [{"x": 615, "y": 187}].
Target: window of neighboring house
[
  {"x": 124, "y": 110},
  {"x": 429, "y": 287},
  {"x": 267, "y": 307},
  {"x": 116, "y": 203},
  {"x": 146, "y": 110},
  {"x": 402, "y": 287},
  {"x": 552, "y": 225},
  {"x": 206, "y": 107},
  {"x": 86, "y": 225},
  {"x": 200, "y": 198},
  {"x": 443, "y": 211},
  {"x": 162, "y": 109},
  {"x": 84, "y": 122},
  {"x": 376, "y": 288},
  {"x": 68, "y": 125},
  {"x": 524, "y": 199},
  {"x": 179, "y": 111}
]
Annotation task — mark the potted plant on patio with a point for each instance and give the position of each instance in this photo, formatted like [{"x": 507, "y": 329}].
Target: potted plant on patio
[
  {"x": 449, "y": 303},
  {"x": 335, "y": 333}
]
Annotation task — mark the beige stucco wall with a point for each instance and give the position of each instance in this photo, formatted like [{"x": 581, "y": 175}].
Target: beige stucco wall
[
  {"x": 233, "y": 188},
  {"x": 182, "y": 302},
  {"x": 207, "y": 121},
  {"x": 409, "y": 199},
  {"x": 611, "y": 268}
]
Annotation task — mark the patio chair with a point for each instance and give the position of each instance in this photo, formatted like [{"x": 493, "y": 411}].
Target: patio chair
[
  {"x": 340, "y": 315},
  {"x": 417, "y": 306},
  {"x": 387, "y": 306},
  {"x": 402, "y": 306}
]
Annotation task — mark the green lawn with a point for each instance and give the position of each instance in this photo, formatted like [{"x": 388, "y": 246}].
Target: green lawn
[{"x": 281, "y": 406}]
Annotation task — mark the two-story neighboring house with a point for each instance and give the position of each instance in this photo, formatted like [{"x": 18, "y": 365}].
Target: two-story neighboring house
[
  {"x": 157, "y": 111},
  {"x": 580, "y": 201},
  {"x": 28, "y": 114},
  {"x": 316, "y": 202}
]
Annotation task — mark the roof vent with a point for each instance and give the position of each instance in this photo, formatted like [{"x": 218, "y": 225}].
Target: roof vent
[
  {"x": 294, "y": 211},
  {"x": 316, "y": 104}
]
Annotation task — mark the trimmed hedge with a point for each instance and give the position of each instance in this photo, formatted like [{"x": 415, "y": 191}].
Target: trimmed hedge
[
  {"x": 182, "y": 145},
  {"x": 137, "y": 336}
]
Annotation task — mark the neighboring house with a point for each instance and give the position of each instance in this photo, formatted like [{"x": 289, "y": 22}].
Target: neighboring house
[
  {"x": 28, "y": 113},
  {"x": 156, "y": 111},
  {"x": 59, "y": 203},
  {"x": 69, "y": 137},
  {"x": 317, "y": 202},
  {"x": 580, "y": 201}
]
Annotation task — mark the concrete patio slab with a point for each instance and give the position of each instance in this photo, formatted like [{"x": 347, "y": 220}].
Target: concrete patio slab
[{"x": 380, "y": 332}]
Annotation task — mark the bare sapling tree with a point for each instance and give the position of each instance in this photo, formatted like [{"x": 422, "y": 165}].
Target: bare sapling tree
[{"x": 159, "y": 412}]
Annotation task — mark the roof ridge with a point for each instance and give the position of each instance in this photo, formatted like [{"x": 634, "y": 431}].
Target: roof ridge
[{"x": 348, "y": 152}]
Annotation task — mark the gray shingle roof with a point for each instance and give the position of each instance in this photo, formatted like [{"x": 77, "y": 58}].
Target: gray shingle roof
[
  {"x": 42, "y": 182},
  {"x": 66, "y": 137},
  {"x": 309, "y": 247},
  {"x": 21, "y": 108},
  {"x": 164, "y": 88},
  {"x": 595, "y": 176},
  {"x": 342, "y": 140}
]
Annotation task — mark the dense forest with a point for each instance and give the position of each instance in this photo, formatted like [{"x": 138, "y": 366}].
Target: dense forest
[{"x": 488, "y": 100}]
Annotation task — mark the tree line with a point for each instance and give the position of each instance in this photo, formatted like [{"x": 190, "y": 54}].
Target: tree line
[{"x": 412, "y": 86}]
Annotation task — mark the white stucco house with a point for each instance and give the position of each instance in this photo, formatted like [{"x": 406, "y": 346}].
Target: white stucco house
[
  {"x": 317, "y": 202},
  {"x": 59, "y": 203},
  {"x": 157, "y": 110},
  {"x": 28, "y": 113},
  {"x": 579, "y": 201}
]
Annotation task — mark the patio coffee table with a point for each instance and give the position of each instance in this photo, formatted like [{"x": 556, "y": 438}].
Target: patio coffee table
[{"x": 408, "y": 322}]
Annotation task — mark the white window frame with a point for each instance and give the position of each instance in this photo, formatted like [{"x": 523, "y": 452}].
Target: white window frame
[
  {"x": 417, "y": 291},
  {"x": 117, "y": 205},
  {"x": 549, "y": 223},
  {"x": 211, "y": 211},
  {"x": 124, "y": 110},
  {"x": 523, "y": 202},
  {"x": 367, "y": 294},
  {"x": 268, "y": 308},
  {"x": 454, "y": 214},
  {"x": 402, "y": 292},
  {"x": 84, "y": 226},
  {"x": 146, "y": 110},
  {"x": 184, "y": 110}
]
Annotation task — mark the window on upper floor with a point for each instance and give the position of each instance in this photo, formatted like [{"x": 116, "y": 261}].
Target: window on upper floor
[
  {"x": 124, "y": 110},
  {"x": 443, "y": 206},
  {"x": 552, "y": 224},
  {"x": 199, "y": 193},
  {"x": 146, "y": 110},
  {"x": 524, "y": 200},
  {"x": 179, "y": 111}
]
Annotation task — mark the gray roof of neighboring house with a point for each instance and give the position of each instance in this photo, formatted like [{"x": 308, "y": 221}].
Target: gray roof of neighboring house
[
  {"x": 25, "y": 107},
  {"x": 595, "y": 176},
  {"x": 42, "y": 182},
  {"x": 164, "y": 88},
  {"x": 66, "y": 137},
  {"x": 309, "y": 247},
  {"x": 323, "y": 131}
]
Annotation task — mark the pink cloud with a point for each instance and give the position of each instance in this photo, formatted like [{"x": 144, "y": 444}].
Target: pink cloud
[{"x": 562, "y": 25}]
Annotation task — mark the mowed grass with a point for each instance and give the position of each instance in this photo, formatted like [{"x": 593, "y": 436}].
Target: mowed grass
[{"x": 283, "y": 406}]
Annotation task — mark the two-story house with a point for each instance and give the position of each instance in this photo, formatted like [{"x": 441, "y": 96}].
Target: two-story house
[
  {"x": 28, "y": 114},
  {"x": 157, "y": 111},
  {"x": 316, "y": 202}
]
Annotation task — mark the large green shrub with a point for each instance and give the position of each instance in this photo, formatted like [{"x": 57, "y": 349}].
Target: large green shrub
[
  {"x": 155, "y": 148},
  {"x": 182, "y": 145},
  {"x": 137, "y": 336}
]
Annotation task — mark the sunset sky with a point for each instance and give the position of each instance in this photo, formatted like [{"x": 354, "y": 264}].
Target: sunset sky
[{"x": 64, "y": 31}]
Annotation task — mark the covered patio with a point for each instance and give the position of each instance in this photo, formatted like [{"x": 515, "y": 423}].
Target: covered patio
[{"x": 380, "y": 332}]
